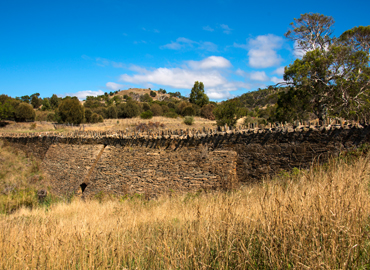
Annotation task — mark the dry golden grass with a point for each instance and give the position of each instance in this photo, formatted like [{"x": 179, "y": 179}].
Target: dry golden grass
[
  {"x": 25, "y": 127},
  {"x": 20, "y": 177},
  {"x": 107, "y": 125},
  {"x": 317, "y": 219}
]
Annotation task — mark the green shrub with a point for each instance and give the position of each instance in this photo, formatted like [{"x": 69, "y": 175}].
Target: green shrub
[
  {"x": 181, "y": 106},
  {"x": 146, "y": 106},
  {"x": 71, "y": 111},
  {"x": 153, "y": 94},
  {"x": 127, "y": 97},
  {"x": 111, "y": 112},
  {"x": 128, "y": 110},
  {"x": 171, "y": 114},
  {"x": 207, "y": 112},
  {"x": 145, "y": 98},
  {"x": 25, "y": 112},
  {"x": 228, "y": 112},
  {"x": 45, "y": 104},
  {"x": 188, "y": 120},
  {"x": 94, "y": 118},
  {"x": 188, "y": 111},
  {"x": 50, "y": 117},
  {"x": 88, "y": 114},
  {"x": 146, "y": 115},
  {"x": 156, "y": 109},
  {"x": 165, "y": 109}
]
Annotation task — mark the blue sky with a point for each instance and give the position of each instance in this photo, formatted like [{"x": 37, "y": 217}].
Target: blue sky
[{"x": 90, "y": 47}]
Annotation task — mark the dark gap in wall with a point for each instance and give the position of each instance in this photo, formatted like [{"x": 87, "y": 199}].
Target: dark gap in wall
[{"x": 83, "y": 186}]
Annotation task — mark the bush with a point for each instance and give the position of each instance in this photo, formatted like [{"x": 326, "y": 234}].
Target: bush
[
  {"x": 156, "y": 109},
  {"x": 101, "y": 119},
  {"x": 228, "y": 113},
  {"x": 188, "y": 120},
  {"x": 181, "y": 106},
  {"x": 41, "y": 115},
  {"x": 165, "y": 109},
  {"x": 146, "y": 106},
  {"x": 45, "y": 104},
  {"x": 128, "y": 110},
  {"x": 36, "y": 101},
  {"x": 50, "y": 117},
  {"x": 171, "y": 114},
  {"x": 127, "y": 97},
  {"x": 207, "y": 112},
  {"x": 24, "y": 112},
  {"x": 146, "y": 115},
  {"x": 153, "y": 94},
  {"x": 88, "y": 114},
  {"x": 94, "y": 118},
  {"x": 102, "y": 111},
  {"x": 188, "y": 111},
  {"x": 145, "y": 98},
  {"x": 112, "y": 112},
  {"x": 71, "y": 111}
]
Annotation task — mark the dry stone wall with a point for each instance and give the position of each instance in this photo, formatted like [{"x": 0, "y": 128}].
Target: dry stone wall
[
  {"x": 67, "y": 165},
  {"x": 157, "y": 162},
  {"x": 129, "y": 170}
]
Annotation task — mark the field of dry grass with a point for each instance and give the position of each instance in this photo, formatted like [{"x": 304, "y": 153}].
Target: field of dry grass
[
  {"x": 316, "y": 219},
  {"x": 107, "y": 125},
  {"x": 20, "y": 177}
]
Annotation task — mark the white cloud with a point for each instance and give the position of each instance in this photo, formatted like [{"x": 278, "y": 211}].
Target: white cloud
[
  {"x": 103, "y": 62},
  {"x": 210, "y": 62},
  {"x": 180, "y": 43},
  {"x": 207, "y": 46},
  {"x": 83, "y": 94},
  {"x": 254, "y": 76},
  {"x": 226, "y": 28},
  {"x": 279, "y": 71},
  {"x": 176, "y": 77},
  {"x": 208, "y": 28},
  {"x": 259, "y": 76},
  {"x": 113, "y": 86},
  {"x": 240, "y": 72},
  {"x": 212, "y": 71},
  {"x": 185, "y": 43},
  {"x": 243, "y": 46},
  {"x": 262, "y": 51},
  {"x": 276, "y": 80},
  {"x": 214, "y": 94},
  {"x": 223, "y": 91}
]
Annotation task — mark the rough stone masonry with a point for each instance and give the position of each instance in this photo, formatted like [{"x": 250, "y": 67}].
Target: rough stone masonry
[{"x": 182, "y": 160}]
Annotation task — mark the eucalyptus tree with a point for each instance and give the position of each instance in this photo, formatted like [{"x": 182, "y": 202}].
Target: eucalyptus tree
[{"x": 333, "y": 76}]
